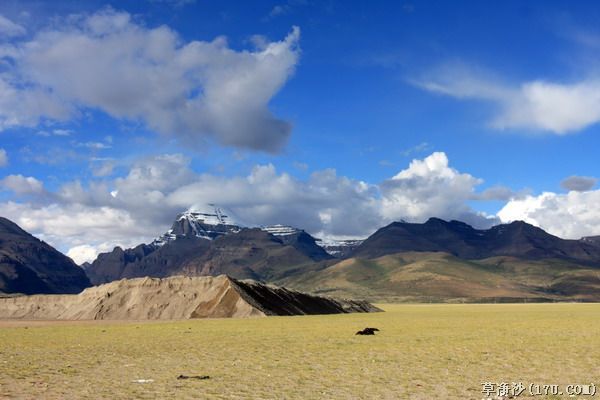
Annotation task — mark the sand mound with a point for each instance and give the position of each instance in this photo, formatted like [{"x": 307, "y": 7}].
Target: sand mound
[{"x": 175, "y": 298}]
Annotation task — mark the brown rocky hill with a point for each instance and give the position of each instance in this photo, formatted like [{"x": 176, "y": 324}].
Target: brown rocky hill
[
  {"x": 442, "y": 277},
  {"x": 517, "y": 239},
  {"x": 450, "y": 261},
  {"x": 245, "y": 254},
  {"x": 28, "y": 265},
  {"x": 176, "y": 298}
]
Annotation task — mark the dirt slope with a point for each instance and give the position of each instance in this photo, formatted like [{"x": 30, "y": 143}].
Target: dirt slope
[{"x": 175, "y": 298}]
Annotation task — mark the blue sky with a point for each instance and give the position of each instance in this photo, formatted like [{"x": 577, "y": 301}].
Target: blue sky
[{"x": 329, "y": 112}]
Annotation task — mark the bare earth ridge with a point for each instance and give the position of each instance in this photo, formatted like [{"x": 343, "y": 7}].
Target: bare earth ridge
[{"x": 175, "y": 298}]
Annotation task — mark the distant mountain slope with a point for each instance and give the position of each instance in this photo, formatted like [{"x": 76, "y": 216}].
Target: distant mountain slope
[
  {"x": 255, "y": 254},
  {"x": 441, "y": 277},
  {"x": 28, "y": 265},
  {"x": 144, "y": 260},
  {"x": 300, "y": 240},
  {"x": 244, "y": 254},
  {"x": 433, "y": 261},
  {"x": 517, "y": 239},
  {"x": 591, "y": 239}
]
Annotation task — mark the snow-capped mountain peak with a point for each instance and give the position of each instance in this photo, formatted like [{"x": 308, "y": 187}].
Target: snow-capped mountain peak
[
  {"x": 206, "y": 224},
  {"x": 212, "y": 221},
  {"x": 216, "y": 217}
]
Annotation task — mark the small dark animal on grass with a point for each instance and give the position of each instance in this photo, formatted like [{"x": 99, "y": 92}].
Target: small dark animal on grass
[
  {"x": 199, "y": 377},
  {"x": 367, "y": 331}
]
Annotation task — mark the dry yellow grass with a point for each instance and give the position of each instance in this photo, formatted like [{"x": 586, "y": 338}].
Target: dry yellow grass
[{"x": 422, "y": 352}]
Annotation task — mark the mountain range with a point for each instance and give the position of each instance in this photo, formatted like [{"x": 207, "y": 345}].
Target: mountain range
[
  {"x": 517, "y": 239},
  {"x": 451, "y": 261},
  {"x": 434, "y": 261},
  {"x": 200, "y": 244}
]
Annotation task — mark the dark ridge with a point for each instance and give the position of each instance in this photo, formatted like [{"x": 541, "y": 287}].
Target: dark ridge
[
  {"x": 245, "y": 254},
  {"x": 29, "y": 265},
  {"x": 273, "y": 300},
  {"x": 518, "y": 239}
]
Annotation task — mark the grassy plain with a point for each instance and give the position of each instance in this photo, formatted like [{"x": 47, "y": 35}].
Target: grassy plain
[{"x": 422, "y": 352}]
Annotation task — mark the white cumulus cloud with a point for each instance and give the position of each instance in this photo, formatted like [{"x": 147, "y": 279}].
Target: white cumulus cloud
[
  {"x": 22, "y": 185},
  {"x": 537, "y": 105},
  {"x": 198, "y": 91},
  {"x": 141, "y": 205},
  {"x": 572, "y": 215},
  {"x": 428, "y": 188},
  {"x": 86, "y": 253}
]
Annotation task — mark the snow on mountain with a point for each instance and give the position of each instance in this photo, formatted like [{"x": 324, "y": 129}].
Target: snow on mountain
[
  {"x": 213, "y": 221},
  {"x": 206, "y": 224},
  {"x": 280, "y": 230},
  {"x": 339, "y": 248},
  {"x": 334, "y": 247}
]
